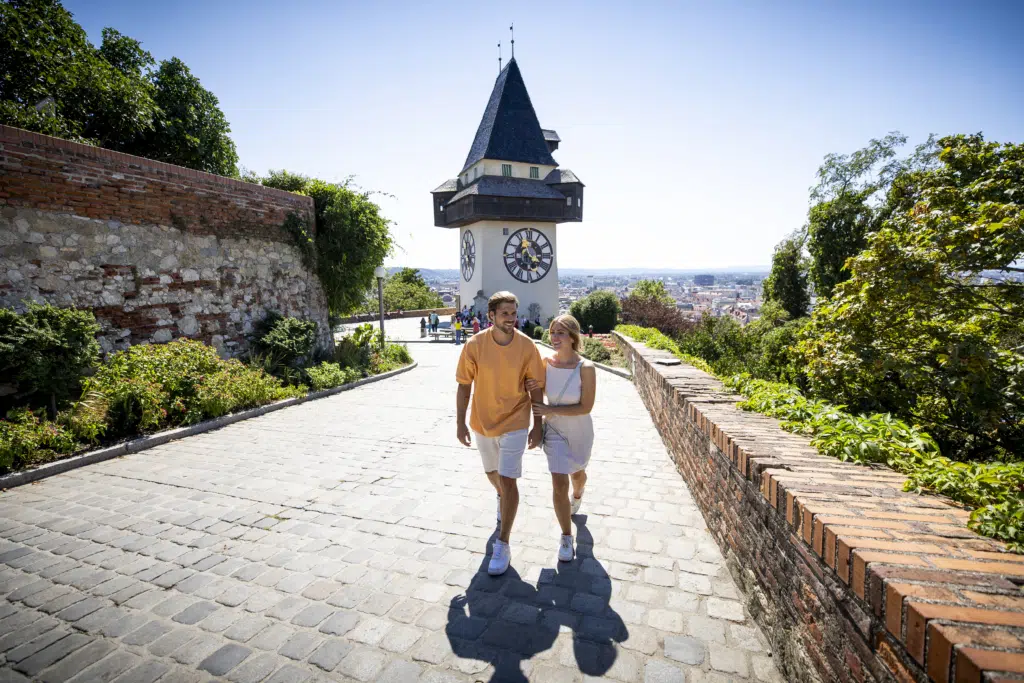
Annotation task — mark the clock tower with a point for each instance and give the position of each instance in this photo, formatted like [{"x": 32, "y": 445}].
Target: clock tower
[{"x": 507, "y": 201}]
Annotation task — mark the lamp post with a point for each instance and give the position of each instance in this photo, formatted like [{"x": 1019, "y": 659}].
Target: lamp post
[{"x": 381, "y": 273}]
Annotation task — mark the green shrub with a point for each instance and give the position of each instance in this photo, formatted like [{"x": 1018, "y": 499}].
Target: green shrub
[
  {"x": 284, "y": 342},
  {"x": 181, "y": 382},
  {"x": 46, "y": 350},
  {"x": 27, "y": 439},
  {"x": 595, "y": 351},
  {"x": 600, "y": 309},
  {"x": 391, "y": 357},
  {"x": 546, "y": 337},
  {"x": 538, "y": 332},
  {"x": 329, "y": 375},
  {"x": 656, "y": 340}
]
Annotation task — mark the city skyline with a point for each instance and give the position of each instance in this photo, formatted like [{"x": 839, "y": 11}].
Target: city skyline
[{"x": 696, "y": 129}]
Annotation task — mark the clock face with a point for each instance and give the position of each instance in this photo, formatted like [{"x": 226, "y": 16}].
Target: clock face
[
  {"x": 468, "y": 255},
  {"x": 528, "y": 255}
]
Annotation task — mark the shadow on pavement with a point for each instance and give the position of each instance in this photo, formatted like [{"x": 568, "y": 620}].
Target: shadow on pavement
[{"x": 504, "y": 620}]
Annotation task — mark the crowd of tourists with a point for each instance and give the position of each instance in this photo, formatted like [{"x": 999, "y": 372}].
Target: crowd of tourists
[{"x": 466, "y": 322}]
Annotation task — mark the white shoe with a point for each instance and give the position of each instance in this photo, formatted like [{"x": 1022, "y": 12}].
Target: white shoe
[
  {"x": 501, "y": 556},
  {"x": 565, "y": 550},
  {"x": 577, "y": 503},
  {"x": 499, "y": 509}
]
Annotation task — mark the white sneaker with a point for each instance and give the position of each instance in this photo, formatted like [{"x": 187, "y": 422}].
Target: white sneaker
[
  {"x": 501, "y": 556},
  {"x": 499, "y": 509},
  {"x": 577, "y": 503},
  {"x": 565, "y": 550}
]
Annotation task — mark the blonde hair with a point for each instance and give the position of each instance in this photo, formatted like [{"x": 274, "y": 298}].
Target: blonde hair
[
  {"x": 572, "y": 326},
  {"x": 499, "y": 298}
]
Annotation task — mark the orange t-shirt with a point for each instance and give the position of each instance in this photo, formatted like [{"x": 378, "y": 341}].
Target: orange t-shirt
[{"x": 501, "y": 403}]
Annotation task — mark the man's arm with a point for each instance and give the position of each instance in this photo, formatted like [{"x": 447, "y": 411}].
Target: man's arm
[
  {"x": 537, "y": 433},
  {"x": 461, "y": 404}
]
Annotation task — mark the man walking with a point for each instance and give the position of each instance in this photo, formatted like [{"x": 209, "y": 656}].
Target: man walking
[{"x": 494, "y": 367}]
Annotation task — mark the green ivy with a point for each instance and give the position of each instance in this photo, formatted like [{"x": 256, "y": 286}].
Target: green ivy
[{"x": 995, "y": 490}]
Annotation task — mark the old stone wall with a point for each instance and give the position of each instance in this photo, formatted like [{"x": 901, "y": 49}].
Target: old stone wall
[
  {"x": 156, "y": 251},
  {"x": 851, "y": 578}
]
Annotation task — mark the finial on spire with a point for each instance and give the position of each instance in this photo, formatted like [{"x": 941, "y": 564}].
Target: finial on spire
[
  {"x": 499, "y": 56},
  {"x": 511, "y": 30}
]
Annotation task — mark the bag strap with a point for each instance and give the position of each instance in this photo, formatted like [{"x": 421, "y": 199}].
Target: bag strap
[{"x": 558, "y": 400}]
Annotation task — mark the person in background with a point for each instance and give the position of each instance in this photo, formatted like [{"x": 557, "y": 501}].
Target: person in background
[
  {"x": 423, "y": 328},
  {"x": 458, "y": 330},
  {"x": 476, "y": 327}
]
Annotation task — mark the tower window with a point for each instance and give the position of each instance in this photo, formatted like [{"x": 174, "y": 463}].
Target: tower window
[
  {"x": 506, "y": 170},
  {"x": 579, "y": 201},
  {"x": 476, "y": 172},
  {"x": 534, "y": 172},
  {"x": 504, "y": 231},
  {"x": 568, "y": 201}
]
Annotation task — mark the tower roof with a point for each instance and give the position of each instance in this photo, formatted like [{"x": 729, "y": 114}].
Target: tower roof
[{"x": 509, "y": 129}]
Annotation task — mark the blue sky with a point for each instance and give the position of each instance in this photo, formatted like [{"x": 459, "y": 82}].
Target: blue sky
[{"x": 697, "y": 127}]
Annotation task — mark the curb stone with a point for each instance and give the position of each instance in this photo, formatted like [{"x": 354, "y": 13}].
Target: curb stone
[
  {"x": 621, "y": 372},
  {"x": 9, "y": 481}
]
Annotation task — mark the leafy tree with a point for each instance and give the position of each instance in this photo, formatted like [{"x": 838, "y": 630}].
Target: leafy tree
[
  {"x": 652, "y": 289},
  {"x": 600, "y": 309},
  {"x": 406, "y": 290},
  {"x": 191, "y": 129},
  {"x": 847, "y": 203},
  {"x": 351, "y": 237},
  {"x": 786, "y": 284},
  {"x": 53, "y": 81},
  {"x": 929, "y": 324}
]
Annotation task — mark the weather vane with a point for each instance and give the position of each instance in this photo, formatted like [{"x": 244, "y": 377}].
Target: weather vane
[
  {"x": 511, "y": 29},
  {"x": 499, "y": 56}
]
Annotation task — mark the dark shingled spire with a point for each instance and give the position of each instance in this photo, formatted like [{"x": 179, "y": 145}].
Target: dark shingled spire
[{"x": 509, "y": 129}]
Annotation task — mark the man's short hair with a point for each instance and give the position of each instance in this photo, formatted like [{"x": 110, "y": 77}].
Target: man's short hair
[{"x": 499, "y": 298}]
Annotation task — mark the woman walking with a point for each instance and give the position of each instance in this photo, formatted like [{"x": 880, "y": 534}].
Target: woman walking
[{"x": 571, "y": 387}]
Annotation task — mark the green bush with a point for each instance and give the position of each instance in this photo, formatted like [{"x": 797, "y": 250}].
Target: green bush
[
  {"x": 286, "y": 342},
  {"x": 27, "y": 439},
  {"x": 329, "y": 375},
  {"x": 546, "y": 337},
  {"x": 391, "y": 357},
  {"x": 595, "y": 351},
  {"x": 538, "y": 332},
  {"x": 995, "y": 489},
  {"x": 600, "y": 309},
  {"x": 181, "y": 382},
  {"x": 46, "y": 350}
]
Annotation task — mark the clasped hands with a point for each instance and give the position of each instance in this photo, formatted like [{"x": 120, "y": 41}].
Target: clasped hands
[{"x": 540, "y": 408}]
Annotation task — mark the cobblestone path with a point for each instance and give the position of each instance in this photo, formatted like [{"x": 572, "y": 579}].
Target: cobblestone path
[{"x": 344, "y": 539}]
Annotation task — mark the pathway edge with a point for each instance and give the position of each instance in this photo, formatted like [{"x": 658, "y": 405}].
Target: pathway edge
[{"x": 15, "y": 479}]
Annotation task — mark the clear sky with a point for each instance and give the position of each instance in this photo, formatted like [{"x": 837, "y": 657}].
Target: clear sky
[{"x": 696, "y": 127}]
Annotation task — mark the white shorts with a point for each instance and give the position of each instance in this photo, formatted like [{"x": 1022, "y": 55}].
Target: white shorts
[{"x": 503, "y": 453}]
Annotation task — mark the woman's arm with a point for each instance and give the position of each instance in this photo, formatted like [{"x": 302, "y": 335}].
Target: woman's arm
[{"x": 588, "y": 375}]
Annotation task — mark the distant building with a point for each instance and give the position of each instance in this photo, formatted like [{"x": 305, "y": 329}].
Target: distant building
[
  {"x": 590, "y": 282},
  {"x": 704, "y": 280}
]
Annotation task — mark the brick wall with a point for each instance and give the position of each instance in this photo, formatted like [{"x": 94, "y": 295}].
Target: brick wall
[
  {"x": 157, "y": 251},
  {"x": 851, "y": 578}
]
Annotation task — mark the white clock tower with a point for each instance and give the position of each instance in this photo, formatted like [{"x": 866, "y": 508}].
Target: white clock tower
[{"x": 507, "y": 201}]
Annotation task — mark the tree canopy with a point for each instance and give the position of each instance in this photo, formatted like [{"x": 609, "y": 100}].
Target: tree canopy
[
  {"x": 786, "y": 284},
  {"x": 54, "y": 81},
  {"x": 929, "y": 324},
  {"x": 406, "y": 290}
]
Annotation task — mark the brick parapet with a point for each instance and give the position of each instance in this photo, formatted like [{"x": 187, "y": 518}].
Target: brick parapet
[
  {"x": 851, "y": 578},
  {"x": 50, "y": 174}
]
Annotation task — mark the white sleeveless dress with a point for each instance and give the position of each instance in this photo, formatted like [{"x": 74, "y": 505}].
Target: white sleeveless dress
[{"x": 568, "y": 439}]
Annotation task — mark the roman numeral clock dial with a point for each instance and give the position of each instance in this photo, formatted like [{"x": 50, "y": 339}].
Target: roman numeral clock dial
[
  {"x": 468, "y": 255},
  {"x": 528, "y": 255}
]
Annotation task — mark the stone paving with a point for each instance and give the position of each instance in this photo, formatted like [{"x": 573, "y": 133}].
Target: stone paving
[{"x": 345, "y": 539}]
